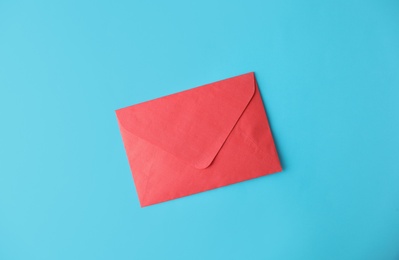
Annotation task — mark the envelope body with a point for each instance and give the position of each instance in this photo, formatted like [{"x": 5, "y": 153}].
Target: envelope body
[{"x": 199, "y": 139}]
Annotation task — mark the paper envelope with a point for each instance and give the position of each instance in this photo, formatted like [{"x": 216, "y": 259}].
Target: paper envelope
[{"x": 199, "y": 139}]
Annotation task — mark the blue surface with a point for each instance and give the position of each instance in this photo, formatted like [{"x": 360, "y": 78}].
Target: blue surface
[{"x": 329, "y": 76}]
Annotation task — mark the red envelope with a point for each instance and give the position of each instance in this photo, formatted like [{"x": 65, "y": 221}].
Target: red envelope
[{"x": 199, "y": 139}]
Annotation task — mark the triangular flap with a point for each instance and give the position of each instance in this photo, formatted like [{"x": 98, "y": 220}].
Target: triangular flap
[{"x": 194, "y": 124}]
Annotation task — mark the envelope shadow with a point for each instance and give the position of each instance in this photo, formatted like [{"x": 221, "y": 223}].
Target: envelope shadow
[{"x": 276, "y": 142}]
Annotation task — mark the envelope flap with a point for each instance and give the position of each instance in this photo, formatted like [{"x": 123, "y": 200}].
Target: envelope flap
[{"x": 194, "y": 124}]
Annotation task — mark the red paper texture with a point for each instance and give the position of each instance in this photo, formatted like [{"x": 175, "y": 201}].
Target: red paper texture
[{"x": 199, "y": 139}]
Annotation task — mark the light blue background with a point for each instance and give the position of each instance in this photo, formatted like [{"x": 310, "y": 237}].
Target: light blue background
[{"x": 329, "y": 76}]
